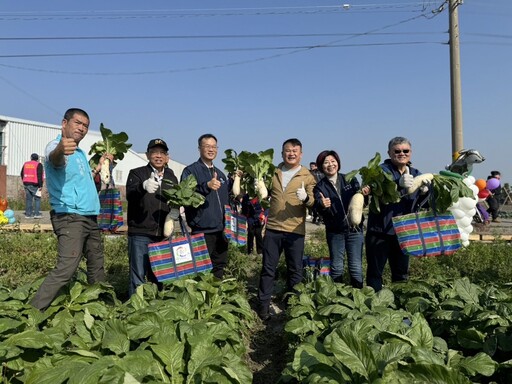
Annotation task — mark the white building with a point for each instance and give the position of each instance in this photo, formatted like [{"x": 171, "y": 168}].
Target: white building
[{"x": 20, "y": 138}]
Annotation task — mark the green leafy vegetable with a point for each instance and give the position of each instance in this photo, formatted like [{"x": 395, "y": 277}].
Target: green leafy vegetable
[
  {"x": 113, "y": 143},
  {"x": 448, "y": 190},
  {"x": 182, "y": 194},
  {"x": 257, "y": 169},
  {"x": 384, "y": 189}
]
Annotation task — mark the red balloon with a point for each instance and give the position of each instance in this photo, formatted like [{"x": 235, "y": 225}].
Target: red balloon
[{"x": 484, "y": 194}]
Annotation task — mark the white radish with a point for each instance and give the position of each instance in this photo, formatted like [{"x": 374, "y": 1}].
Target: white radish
[
  {"x": 169, "y": 224},
  {"x": 262, "y": 190},
  {"x": 236, "y": 185},
  {"x": 419, "y": 181},
  {"x": 105, "y": 171},
  {"x": 355, "y": 209}
]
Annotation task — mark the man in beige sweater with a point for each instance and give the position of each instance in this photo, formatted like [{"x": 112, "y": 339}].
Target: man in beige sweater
[{"x": 291, "y": 195}]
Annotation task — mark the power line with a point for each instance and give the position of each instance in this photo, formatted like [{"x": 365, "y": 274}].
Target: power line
[
  {"x": 252, "y": 36},
  {"x": 206, "y": 50},
  {"x": 208, "y": 12}
]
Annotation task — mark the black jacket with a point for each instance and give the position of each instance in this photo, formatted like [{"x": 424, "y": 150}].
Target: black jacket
[
  {"x": 146, "y": 211},
  {"x": 382, "y": 222},
  {"x": 208, "y": 217},
  {"x": 335, "y": 217}
]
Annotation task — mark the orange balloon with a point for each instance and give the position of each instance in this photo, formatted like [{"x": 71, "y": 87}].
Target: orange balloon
[{"x": 481, "y": 184}]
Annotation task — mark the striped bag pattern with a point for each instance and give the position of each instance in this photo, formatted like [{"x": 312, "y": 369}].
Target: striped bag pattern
[
  {"x": 324, "y": 266},
  {"x": 171, "y": 259},
  {"x": 427, "y": 234},
  {"x": 235, "y": 226},
  {"x": 319, "y": 266},
  {"x": 111, "y": 210}
]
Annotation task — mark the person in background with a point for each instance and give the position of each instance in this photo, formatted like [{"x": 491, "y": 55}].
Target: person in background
[
  {"x": 32, "y": 178},
  {"x": 147, "y": 211},
  {"x": 318, "y": 175},
  {"x": 251, "y": 208},
  {"x": 381, "y": 241},
  {"x": 290, "y": 197},
  {"x": 208, "y": 218},
  {"x": 493, "y": 199},
  {"x": 75, "y": 206},
  {"x": 332, "y": 197}
]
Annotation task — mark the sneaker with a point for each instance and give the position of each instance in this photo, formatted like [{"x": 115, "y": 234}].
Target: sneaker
[
  {"x": 38, "y": 216},
  {"x": 308, "y": 217},
  {"x": 28, "y": 217},
  {"x": 496, "y": 220}
]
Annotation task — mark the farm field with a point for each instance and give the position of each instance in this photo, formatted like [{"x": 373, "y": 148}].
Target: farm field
[{"x": 450, "y": 323}]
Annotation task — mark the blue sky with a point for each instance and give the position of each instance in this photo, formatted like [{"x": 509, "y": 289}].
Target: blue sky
[{"x": 256, "y": 73}]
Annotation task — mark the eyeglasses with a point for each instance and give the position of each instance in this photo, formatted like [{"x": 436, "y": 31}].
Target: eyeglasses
[
  {"x": 210, "y": 147},
  {"x": 398, "y": 151}
]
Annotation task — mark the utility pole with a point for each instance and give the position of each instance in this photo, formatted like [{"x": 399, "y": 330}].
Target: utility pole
[{"x": 455, "y": 84}]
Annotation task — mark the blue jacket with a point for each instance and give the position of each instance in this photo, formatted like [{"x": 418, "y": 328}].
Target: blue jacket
[
  {"x": 382, "y": 222},
  {"x": 71, "y": 186},
  {"x": 335, "y": 217},
  {"x": 208, "y": 217}
]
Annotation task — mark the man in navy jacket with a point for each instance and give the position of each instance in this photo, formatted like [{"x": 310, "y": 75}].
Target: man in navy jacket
[{"x": 208, "y": 218}]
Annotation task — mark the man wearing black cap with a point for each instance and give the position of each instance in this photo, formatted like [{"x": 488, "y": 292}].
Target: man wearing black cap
[
  {"x": 32, "y": 178},
  {"x": 147, "y": 210}
]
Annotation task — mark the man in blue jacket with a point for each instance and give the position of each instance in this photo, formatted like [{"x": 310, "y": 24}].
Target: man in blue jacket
[
  {"x": 381, "y": 241},
  {"x": 208, "y": 218},
  {"x": 75, "y": 206}
]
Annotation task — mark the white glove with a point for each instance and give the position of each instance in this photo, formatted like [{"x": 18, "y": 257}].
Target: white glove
[
  {"x": 406, "y": 179},
  {"x": 424, "y": 186},
  {"x": 301, "y": 193},
  {"x": 151, "y": 184}
]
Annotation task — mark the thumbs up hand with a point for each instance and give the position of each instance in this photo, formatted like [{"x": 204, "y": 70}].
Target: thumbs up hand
[
  {"x": 301, "y": 193},
  {"x": 151, "y": 185},
  {"x": 326, "y": 201},
  {"x": 214, "y": 184},
  {"x": 406, "y": 179}
]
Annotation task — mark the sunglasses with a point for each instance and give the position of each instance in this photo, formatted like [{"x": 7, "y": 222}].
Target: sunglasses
[{"x": 398, "y": 151}]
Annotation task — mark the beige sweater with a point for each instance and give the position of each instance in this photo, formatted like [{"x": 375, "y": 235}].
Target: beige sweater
[{"x": 287, "y": 213}]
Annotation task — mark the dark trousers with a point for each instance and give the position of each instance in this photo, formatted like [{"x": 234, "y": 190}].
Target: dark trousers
[
  {"x": 217, "y": 245},
  {"x": 274, "y": 243},
  {"x": 494, "y": 207},
  {"x": 77, "y": 235},
  {"x": 379, "y": 249},
  {"x": 254, "y": 233}
]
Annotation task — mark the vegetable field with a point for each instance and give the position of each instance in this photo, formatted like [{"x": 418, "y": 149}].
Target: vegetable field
[{"x": 450, "y": 324}]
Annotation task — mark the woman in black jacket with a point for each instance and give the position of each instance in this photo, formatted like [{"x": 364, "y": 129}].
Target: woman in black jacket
[{"x": 332, "y": 197}]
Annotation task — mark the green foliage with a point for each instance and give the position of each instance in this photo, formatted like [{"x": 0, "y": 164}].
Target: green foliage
[
  {"x": 255, "y": 167},
  {"x": 113, "y": 143},
  {"x": 182, "y": 194},
  {"x": 360, "y": 336},
  {"x": 384, "y": 189},
  {"x": 192, "y": 331},
  {"x": 448, "y": 190}
]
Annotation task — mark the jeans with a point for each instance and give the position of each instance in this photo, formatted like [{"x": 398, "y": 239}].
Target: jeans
[
  {"x": 32, "y": 202},
  {"x": 379, "y": 249},
  {"x": 274, "y": 243},
  {"x": 77, "y": 235},
  {"x": 352, "y": 243},
  {"x": 140, "y": 268}
]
